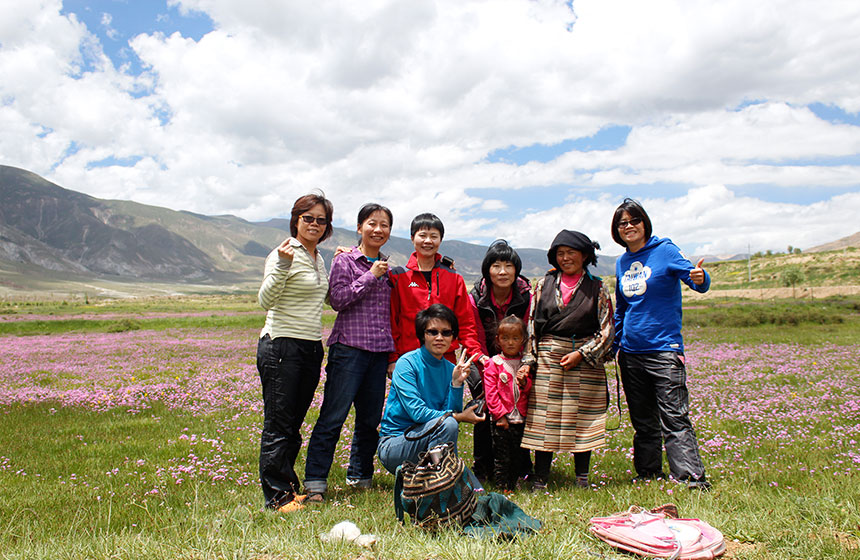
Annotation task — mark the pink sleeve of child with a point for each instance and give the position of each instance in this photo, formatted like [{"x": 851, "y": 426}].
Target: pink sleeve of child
[{"x": 491, "y": 390}]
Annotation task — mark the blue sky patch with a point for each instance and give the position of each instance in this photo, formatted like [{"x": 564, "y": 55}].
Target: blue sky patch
[
  {"x": 538, "y": 199},
  {"x": 528, "y": 199},
  {"x": 116, "y": 22},
  {"x": 748, "y": 103},
  {"x": 73, "y": 148},
  {"x": 608, "y": 138},
  {"x": 112, "y": 161},
  {"x": 834, "y": 114}
]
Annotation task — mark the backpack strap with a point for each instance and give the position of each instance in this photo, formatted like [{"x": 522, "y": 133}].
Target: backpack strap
[{"x": 438, "y": 423}]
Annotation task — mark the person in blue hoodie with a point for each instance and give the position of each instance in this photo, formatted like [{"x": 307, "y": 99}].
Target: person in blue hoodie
[
  {"x": 425, "y": 400},
  {"x": 650, "y": 347}
]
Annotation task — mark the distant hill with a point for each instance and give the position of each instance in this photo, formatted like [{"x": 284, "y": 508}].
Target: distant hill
[
  {"x": 832, "y": 269},
  {"x": 64, "y": 233},
  {"x": 52, "y": 237},
  {"x": 845, "y": 242}
]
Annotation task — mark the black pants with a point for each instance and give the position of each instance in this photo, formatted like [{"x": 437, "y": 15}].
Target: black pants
[
  {"x": 511, "y": 460},
  {"x": 482, "y": 440},
  {"x": 290, "y": 372},
  {"x": 656, "y": 388},
  {"x": 543, "y": 462}
]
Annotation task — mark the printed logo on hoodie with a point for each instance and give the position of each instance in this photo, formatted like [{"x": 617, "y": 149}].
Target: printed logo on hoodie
[{"x": 634, "y": 281}]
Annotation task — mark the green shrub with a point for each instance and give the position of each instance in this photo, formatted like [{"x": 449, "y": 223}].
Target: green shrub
[
  {"x": 828, "y": 312},
  {"x": 124, "y": 325}
]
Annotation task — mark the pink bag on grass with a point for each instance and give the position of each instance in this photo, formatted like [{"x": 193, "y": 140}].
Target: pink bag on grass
[{"x": 654, "y": 534}]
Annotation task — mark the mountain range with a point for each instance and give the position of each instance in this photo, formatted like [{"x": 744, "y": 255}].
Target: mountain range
[{"x": 49, "y": 230}]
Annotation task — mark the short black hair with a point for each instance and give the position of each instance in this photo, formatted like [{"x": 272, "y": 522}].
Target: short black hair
[
  {"x": 635, "y": 210},
  {"x": 304, "y": 204},
  {"x": 426, "y": 221},
  {"x": 500, "y": 251},
  {"x": 435, "y": 311},
  {"x": 372, "y": 207},
  {"x": 513, "y": 320}
]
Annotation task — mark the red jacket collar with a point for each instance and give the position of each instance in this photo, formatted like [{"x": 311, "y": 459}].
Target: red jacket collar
[{"x": 413, "y": 261}]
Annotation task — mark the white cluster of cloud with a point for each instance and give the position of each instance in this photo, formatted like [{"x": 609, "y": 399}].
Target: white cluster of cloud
[{"x": 401, "y": 103}]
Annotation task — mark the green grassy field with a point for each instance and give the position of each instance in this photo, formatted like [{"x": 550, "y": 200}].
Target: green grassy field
[
  {"x": 142, "y": 442},
  {"x": 828, "y": 268}
]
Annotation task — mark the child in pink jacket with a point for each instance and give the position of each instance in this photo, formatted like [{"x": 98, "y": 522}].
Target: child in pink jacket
[{"x": 507, "y": 397}]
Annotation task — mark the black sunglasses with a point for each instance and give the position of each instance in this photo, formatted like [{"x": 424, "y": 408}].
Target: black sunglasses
[
  {"x": 436, "y": 332},
  {"x": 310, "y": 219},
  {"x": 631, "y": 222}
]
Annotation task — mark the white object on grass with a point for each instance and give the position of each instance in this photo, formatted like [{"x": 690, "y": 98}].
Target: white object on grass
[{"x": 348, "y": 531}]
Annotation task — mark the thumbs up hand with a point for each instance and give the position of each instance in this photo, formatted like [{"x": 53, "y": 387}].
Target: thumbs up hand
[{"x": 697, "y": 275}]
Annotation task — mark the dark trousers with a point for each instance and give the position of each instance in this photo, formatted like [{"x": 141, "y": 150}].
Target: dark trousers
[
  {"x": 511, "y": 460},
  {"x": 482, "y": 439},
  {"x": 543, "y": 462},
  {"x": 290, "y": 372},
  {"x": 656, "y": 388},
  {"x": 353, "y": 377}
]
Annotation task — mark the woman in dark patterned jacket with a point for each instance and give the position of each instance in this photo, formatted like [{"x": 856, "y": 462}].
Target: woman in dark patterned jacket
[{"x": 501, "y": 291}]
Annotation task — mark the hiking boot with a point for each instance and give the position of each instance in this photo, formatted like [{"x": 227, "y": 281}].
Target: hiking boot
[
  {"x": 284, "y": 500},
  {"x": 700, "y": 485},
  {"x": 696, "y": 483},
  {"x": 294, "y": 505}
]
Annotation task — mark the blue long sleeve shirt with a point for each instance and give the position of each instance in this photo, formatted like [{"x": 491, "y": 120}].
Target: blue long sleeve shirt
[
  {"x": 420, "y": 391},
  {"x": 648, "y": 297}
]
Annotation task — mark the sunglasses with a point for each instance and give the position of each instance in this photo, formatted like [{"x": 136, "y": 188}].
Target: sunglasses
[
  {"x": 310, "y": 219},
  {"x": 436, "y": 332},
  {"x": 631, "y": 222}
]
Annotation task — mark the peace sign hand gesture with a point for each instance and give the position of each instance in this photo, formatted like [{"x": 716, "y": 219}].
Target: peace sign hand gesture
[{"x": 461, "y": 370}]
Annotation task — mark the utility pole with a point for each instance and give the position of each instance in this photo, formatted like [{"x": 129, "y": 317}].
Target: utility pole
[{"x": 749, "y": 264}]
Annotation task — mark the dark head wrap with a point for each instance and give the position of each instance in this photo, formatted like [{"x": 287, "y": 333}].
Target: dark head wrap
[{"x": 574, "y": 240}]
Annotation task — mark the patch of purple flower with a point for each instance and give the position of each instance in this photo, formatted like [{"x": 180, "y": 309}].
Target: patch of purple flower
[
  {"x": 197, "y": 370},
  {"x": 748, "y": 403}
]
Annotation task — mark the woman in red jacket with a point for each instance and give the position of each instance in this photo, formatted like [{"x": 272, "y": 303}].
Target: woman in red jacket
[{"x": 427, "y": 280}]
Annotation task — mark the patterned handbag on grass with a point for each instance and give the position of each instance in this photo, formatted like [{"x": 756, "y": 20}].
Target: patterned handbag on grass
[{"x": 437, "y": 491}]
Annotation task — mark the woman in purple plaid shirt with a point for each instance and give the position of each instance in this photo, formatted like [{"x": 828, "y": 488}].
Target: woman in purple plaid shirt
[{"x": 360, "y": 291}]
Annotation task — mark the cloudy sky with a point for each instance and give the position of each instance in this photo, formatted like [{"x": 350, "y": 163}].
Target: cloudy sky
[{"x": 735, "y": 123}]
